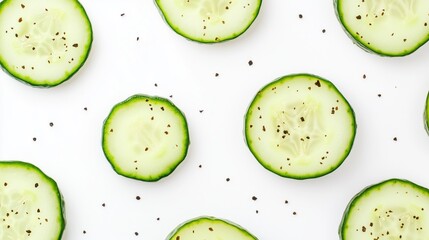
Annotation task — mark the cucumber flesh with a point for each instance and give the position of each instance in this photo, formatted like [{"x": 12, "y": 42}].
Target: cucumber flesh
[
  {"x": 145, "y": 137},
  {"x": 394, "y": 209},
  {"x": 43, "y": 43},
  {"x": 209, "y": 21},
  {"x": 31, "y": 206},
  {"x": 386, "y": 27},
  {"x": 210, "y": 228},
  {"x": 300, "y": 126}
]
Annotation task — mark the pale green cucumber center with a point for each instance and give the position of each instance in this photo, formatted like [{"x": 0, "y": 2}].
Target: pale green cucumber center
[
  {"x": 298, "y": 128},
  {"x": 41, "y": 36},
  {"x": 395, "y": 223}
]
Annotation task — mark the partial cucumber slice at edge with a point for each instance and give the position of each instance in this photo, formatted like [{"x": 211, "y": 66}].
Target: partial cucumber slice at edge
[
  {"x": 394, "y": 207},
  {"x": 210, "y": 228},
  {"x": 46, "y": 43},
  {"x": 386, "y": 28},
  {"x": 34, "y": 194},
  {"x": 209, "y": 21}
]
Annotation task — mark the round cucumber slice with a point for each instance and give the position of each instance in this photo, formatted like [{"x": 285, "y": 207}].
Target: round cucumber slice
[
  {"x": 300, "y": 126},
  {"x": 145, "y": 137},
  {"x": 386, "y": 27},
  {"x": 209, "y": 21},
  {"x": 393, "y": 209},
  {"x": 43, "y": 43},
  {"x": 31, "y": 204},
  {"x": 209, "y": 228}
]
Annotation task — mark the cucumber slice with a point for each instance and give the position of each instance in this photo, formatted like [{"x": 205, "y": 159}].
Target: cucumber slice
[
  {"x": 393, "y": 209},
  {"x": 209, "y": 21},
  {"x": 31, "y": 205},
  {"x": 43, "y": 43},
  {"x": 426, "y": 114},
  {"x": 145, "y": 137},
  {"x": 300, "y": 126},
  {"x": 210, "y": 228},
  {"x": 385, "y": 27}
]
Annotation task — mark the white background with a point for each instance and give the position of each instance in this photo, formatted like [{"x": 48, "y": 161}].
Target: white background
[{"x": 278, "y": 43}]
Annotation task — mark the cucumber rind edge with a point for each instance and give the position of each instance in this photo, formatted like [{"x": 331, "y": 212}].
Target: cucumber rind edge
[{"x": 426, "y": 114}]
